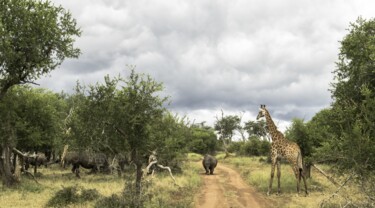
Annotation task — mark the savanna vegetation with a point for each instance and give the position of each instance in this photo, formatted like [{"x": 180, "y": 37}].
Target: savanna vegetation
[{"x": 126, "y": 118}]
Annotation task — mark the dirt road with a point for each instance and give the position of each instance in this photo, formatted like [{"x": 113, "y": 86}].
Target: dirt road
[{"x": 227, "y": 189}]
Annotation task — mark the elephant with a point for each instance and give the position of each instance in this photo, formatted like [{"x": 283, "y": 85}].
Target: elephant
[{"x": 209, "y": 163}]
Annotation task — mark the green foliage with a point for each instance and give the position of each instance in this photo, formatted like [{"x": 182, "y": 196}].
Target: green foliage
[
  {"x": 35, "y": 38},
  {"x": 345, "y": 133},
  {"x": 169, "y": 137},
  {"x": 350, "y": 129},
  {"x": 125, "y": 114},
  {"x": 226, "y": 126},
  {"x": 256, "y": 128},
  {"x": 299, "y": 133},
  {"x": 252, "y": 147},
  {"x": 116, "y": 116},
  {"x": 112, "y": 201},
  {"x": 355, "y": 69},
  {"x": 34, "y": 116},
  {"x": 72, "y": 195},
  {"x": 64, "y": 197},
  {"x": 203, "y": 140},
  {"x": 128, "y": 198},
  {"x": 89, "y": 194}
]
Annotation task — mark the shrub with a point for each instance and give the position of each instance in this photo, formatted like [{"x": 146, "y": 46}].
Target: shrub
[
  {"x": 89, "y": 194},
  {"x": 112, "y": 201},
  {"x": 64, "y": 197},
  {"x": 70, "y": 195},
  {"x": 253, "y": 147}
]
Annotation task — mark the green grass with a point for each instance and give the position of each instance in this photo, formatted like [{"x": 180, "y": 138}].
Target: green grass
[{"x": 194, "y": 157}]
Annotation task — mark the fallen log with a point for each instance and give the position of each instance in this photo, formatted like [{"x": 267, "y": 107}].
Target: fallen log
[
  {"x": 153, "y": 161},
  {"x": 330, "y": 178},
  {"x": 22, "y": 157}
]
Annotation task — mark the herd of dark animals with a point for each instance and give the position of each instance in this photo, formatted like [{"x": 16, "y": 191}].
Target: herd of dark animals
[{"x": 96, "y": 162}]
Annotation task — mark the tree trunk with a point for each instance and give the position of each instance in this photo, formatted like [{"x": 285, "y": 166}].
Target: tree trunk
[
  {"x": 307, "y": 170},
  {"x": 138, "y": 180},
  {"x": 7, "y": 177}
]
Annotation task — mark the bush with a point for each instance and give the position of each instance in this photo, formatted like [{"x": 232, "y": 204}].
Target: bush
[
  {"x": 89, "y": 194},
  {"x": 253, "y": 147},
  {"x": 64, "y": 197},
  {"x": 111, "y": 201},
  {"x": 235, "y": 147},
  {"x": 70, "y": 195}
]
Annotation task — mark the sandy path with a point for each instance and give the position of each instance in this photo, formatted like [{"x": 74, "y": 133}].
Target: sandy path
[{"x": 227, "y": 189}]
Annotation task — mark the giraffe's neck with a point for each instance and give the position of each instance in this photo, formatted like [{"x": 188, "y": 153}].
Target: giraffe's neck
[{"x": 272, "y": 129}]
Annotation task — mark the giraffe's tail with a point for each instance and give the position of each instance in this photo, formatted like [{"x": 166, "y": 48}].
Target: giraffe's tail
[{"x": 299, "y": 161}]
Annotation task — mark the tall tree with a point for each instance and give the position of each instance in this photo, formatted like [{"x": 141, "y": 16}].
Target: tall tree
[
  {"x": 354, "y": 92},
  {"x": 226, "y": 126},
  {"x": 120, "y": 115},
  {"x": 203, "y": 139},
  {"x": 256, "y": 128},
  {"x": 35, "y": 38}
]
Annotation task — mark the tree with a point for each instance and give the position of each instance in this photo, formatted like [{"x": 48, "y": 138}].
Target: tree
[
  {"x": 33, "y": 118},
  {"x": 355, "y": 68},
  {"x": 203, "y": 140},
  {"x": 124, "y": 114},
  {"x": 354, "y": 92},
  {"x": 35, "y": 38},
  {"x": 226, "y": 126},
  {"x": 256, "y": 128},
  {"x": 299, "y": 133},
  {"x": 37, "y": 117}
]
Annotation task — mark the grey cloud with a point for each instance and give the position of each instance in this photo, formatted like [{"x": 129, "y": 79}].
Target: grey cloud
[{"x": 216, "y": 54}]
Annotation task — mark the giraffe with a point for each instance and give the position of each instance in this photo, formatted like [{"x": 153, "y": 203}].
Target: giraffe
[{"x": 281, "y": 147}]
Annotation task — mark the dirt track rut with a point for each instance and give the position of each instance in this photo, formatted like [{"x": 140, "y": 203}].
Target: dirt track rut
[{"x": 227, "y": 189}]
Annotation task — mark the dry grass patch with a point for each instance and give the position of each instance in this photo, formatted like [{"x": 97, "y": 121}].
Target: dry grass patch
[
  {"x": 161, "y": 190},
  {"x": 257, "y": 173}
]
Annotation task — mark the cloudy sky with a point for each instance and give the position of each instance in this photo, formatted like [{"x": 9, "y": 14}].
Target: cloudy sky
[{"x": 215, "y": 54}]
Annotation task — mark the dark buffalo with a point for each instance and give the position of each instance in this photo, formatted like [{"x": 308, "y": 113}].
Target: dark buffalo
[
  {"x": 36, "y": 160},
  {"x": 94, "y": 161},
  {"x": 209, "y": 163}
]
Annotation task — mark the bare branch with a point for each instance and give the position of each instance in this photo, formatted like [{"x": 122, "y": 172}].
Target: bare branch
[
  {"x": 326, "y": 175},
  {"x": 29, "y": 82}
]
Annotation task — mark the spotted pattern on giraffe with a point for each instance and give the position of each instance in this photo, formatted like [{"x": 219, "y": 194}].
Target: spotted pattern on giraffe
[{"x": 282, "y": 148}]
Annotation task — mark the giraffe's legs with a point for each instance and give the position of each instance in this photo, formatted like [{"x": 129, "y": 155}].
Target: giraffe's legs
[
  {"x": 271, "y": 179},
  {"x": 278, "y": 176},
  {"x": 298, "y": 173},
  {"x": 304, "y": 181},
  {"x": 273, "y": 161}
]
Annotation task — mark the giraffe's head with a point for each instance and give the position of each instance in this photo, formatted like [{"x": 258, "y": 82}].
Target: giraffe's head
[{"x": 262, "y": 111}]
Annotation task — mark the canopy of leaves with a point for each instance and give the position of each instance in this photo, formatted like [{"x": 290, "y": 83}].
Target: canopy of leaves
[
  {"x": 35, "y": 37},
  {"x": 347, "y": 130},
  {"x": 256, "y": 128},
  {"x": 122, "y": 115},
  {"x": 203, "y": 140},
  {"x": 33, "y": 118},
  {"x": 227, "y": 125}
]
